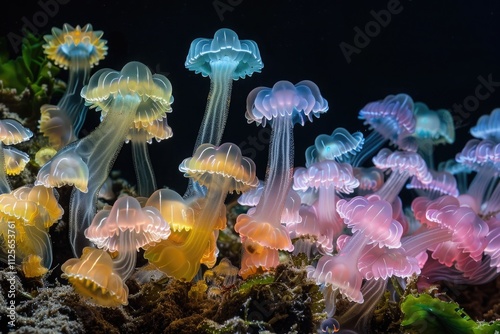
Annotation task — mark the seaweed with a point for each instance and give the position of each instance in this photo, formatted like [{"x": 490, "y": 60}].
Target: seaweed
[
  {"x": 426, "y": 314},
  {"x": 28, "y": 80}
]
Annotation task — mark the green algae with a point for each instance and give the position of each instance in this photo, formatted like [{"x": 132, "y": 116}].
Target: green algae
[
  {"x": 29, "y": 80},
  {"x": 255, "y": 281},
  {"x": 426, "y": 314}
]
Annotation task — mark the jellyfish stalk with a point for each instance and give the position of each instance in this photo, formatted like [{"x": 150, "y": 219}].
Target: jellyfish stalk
[
  {"x": 79, "y": 49},
  {"x": 4, "y": 182},
  {"x": 71, "y": 102},
  {"x": 279, "y": 171},
  {"x": 86, "y": 163},
  {"x": 224, "y": 58},
  {"x": 99, "y": 150},
  {"x": 184, "y": 257},
  {"x": 146, "y": 182},
  {"x": 214, "y": 120},
  {"x": 221, "y": 170}
]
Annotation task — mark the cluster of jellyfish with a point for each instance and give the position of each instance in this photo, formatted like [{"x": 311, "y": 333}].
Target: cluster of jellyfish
[{"x": 342, "y": 208}]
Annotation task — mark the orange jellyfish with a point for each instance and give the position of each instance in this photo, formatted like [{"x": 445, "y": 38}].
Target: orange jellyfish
[
  {"x": 93, "y": 277},
  {"x": 11, "y": 133},
  {"x": 121, "y": 96},
  {"x": 29, "y": 212},
  {"x": 125, "y": 228},
  {"x": 221, "y": 170}
]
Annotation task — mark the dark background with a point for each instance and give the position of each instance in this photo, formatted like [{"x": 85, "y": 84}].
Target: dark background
[{"x": 434, "y": 51}]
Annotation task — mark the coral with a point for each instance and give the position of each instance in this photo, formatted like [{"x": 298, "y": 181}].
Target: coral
[
  {"x": 432, "y": 128},
  {"x": 45, "y": 313},
  {"x": 56, "y": 126},
  {"x": 280, "y": 303},
  {"x": 43, "y": 155}
]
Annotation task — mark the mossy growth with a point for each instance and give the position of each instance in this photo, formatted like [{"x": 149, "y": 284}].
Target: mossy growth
[
  {"x": 426, "y": 314},
  {"x": 387, "y": 313},
  {"x": 255, "y": 281},
  {"x": 29, "y": 80},
  {"x": 279, "y": 302}
]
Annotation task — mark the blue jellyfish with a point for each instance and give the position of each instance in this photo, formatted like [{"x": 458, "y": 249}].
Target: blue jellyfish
[
  {"x": 460, "y": 171},
  {"x": 77, "y": 49},
  {"x": 340, "y": 146},
  {"x": 488, "y": 126},
  {"x": 224, "y": 58},
  {"x": 391, "y": 119},
  {"x": 432, "y": 128}
]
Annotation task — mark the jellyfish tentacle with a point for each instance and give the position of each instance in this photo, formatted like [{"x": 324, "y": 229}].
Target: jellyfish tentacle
[
  {"x": 4, "y": 182},
  {"x": 71, "y": 102},
  {"x": 79, "y": 49},
  {"x": 216, "y": 112},
  {"x": 146, "y": 182},
  {"x": 224, "y": 58},
  {"x": 121, "y": 96},
  {"x": 98, "y": 150}
]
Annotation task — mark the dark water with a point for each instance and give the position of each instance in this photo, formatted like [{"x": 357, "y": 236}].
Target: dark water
[{"x": 437, "y": 52}]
